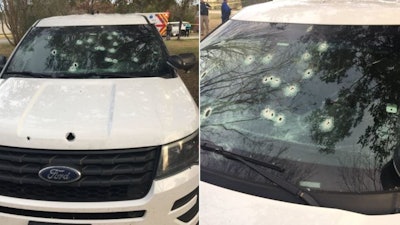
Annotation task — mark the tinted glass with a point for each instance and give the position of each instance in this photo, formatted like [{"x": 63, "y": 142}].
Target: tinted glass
[
  {"x": 322, "y": 101},
  {"x": 135, "y": 50}
]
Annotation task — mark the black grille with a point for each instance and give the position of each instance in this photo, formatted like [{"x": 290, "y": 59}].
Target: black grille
[
  {"x": 107, "y": 175},
  {"x": 189, "y": 215}
]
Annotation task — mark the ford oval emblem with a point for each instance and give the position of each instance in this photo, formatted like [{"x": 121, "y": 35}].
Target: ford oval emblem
[{"x": 59, "y": 174}]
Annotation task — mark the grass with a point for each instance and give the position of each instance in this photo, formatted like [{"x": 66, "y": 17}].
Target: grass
[
  {"x": 191, "y": 79},
  {"x": 6, "y": 49}
]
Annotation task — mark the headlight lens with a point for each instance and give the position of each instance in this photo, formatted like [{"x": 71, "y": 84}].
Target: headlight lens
[{"x": 179, "y": 155}]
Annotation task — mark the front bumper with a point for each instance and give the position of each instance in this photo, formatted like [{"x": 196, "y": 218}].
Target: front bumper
[{"x": 172, "y": 200}]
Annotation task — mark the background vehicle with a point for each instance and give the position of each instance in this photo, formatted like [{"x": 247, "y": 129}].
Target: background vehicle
[
  {"x": 97, "y": 127},
  {"x": 175, "y": 28},
  {"x": 299, "y": 110},
  {"x": 160, "y": 20}
]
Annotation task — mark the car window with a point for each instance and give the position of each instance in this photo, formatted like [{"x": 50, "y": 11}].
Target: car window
[
  {"x": 130, "y": 50},
  {"x": 321, "y": 100}
]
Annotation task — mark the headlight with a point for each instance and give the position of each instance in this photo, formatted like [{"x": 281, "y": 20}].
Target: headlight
[{"x": 179, "y": 155}]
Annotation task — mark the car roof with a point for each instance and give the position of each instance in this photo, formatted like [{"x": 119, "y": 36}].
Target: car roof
[
  {"x": 177, "y": 22},
  {"x": 95, "y": 19},
  {"x": 336, "y": 12}
]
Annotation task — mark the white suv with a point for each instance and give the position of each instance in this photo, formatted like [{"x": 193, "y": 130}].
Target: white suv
[
  {"x": 96, "y": 126},
  {"x": 300, "y": 115}
]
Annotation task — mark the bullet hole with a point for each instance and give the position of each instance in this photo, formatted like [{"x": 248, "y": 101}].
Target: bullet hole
[
  {"x": 391, "y": 108},
  {"x": 306, "y": 56},
  {"x": 308, "y": 74},
  {"x": 327, "y": 125},
  {"x": 207, "y": 112},
  {"x": 73, "y": 67},
  {"x": 135, "y": 59},
  {"x": 249, "y": 60},
  {"x": 272, "y": 81},
  {"x": 267, "y": 79},
  {"x": 268, "y": 113},
  {"x": 323, "y": 47},
  {"x": 203, "y": 75},
  {"x": 28, "y": 138},
  {"x": 267, "y": 59},
  {"x": 54, "y": 52},
  {"x": 280, "y": 119},
  {"x": 99, "y": 48},
  {"x": 291, "y": 90},
  {"x": 70, "y": 136}
]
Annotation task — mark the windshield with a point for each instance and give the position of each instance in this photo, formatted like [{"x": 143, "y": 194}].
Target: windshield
[
  {"x": 90, "y": 51},
  {"x": 320, "y": 100}
]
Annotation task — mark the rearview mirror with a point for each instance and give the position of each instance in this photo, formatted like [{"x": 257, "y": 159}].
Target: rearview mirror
[{"x": 184, "y": 61}]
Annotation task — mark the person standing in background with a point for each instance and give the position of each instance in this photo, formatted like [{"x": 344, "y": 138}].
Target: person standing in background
[
  {"x": 225, "y": 11},
  {"x": 204, "y": 7}
]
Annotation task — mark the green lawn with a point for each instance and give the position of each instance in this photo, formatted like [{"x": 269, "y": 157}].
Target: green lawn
[
  {"x": 191, "y": 79},
  {"x": 6, "y": 49}
]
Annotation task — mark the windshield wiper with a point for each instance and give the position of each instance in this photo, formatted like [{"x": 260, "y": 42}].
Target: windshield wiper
[
  {"x": 26, "y": 74},
  {"x": 250, "y": 163},
  {"x": 231, "y": 155}
]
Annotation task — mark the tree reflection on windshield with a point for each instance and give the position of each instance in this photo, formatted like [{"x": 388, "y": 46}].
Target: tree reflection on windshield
[
  {"x": 91, "y": 50},
  {"x": 333, "y": 89}
]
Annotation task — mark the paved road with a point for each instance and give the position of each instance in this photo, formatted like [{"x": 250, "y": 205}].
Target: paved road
[{"x": 3, "y": 41}]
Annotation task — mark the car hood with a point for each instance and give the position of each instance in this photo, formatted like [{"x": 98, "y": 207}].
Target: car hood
[
  {"x": 99, "y": 113},
  {"x": 223, "y": 206}
]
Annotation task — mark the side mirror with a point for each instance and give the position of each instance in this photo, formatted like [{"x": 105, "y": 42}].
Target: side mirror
[
  {"x": 3, "y": 61},
  {"x": 184, "y": 61}
]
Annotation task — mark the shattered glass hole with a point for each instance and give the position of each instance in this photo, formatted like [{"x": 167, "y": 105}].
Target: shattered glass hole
[
  {"x": 272, "y": 81},
  {"x": 306, "y": 56},
  {"x": 73, "y": 67},
  {"x": 291, "y": 90},
  {"x": 280, "y": 119},
  {"x": 267, "y": 59},
  {"x": 308, "y": 74},
  {"x": 249, "y": 60},
  {"x": 207, "y": 112},
  {"x": 391, "y": 108},
  {"x": 323, "y": 47},
  {"x": 268, "y": 113},
  {"x": 327, "y": 125}
]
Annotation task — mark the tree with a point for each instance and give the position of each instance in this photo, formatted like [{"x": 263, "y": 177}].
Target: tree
[
  {"x": 19, "y": 15},
  {"x": 185, "y": 10},
  {"x": 92, "y": 6},
  {"x": 143, "y": 6}
]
